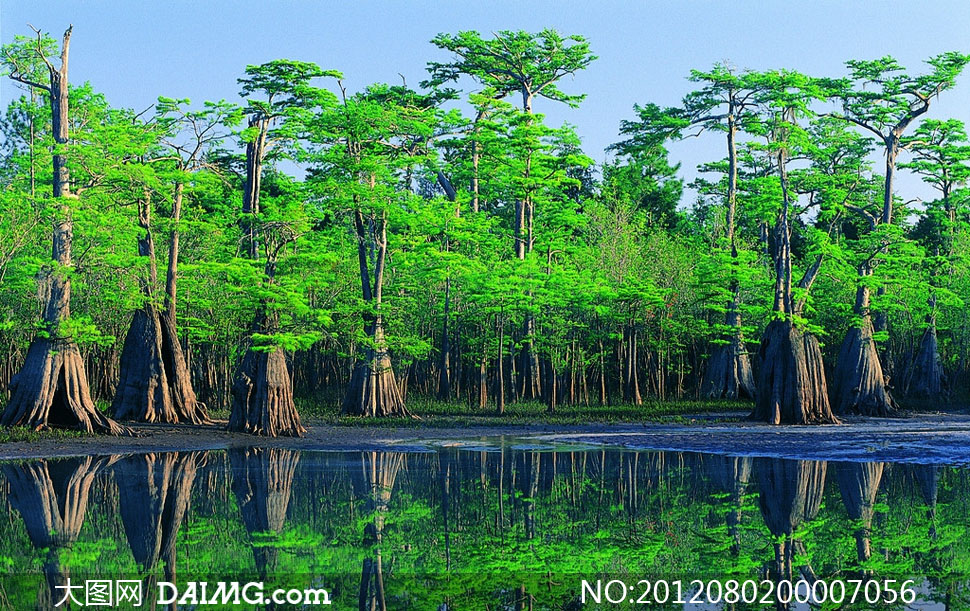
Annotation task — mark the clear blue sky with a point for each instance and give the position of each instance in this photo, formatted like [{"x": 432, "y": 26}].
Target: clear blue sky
[{"x": 136, "y": 50}]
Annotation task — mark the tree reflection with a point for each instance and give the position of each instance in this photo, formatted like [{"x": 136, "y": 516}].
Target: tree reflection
[
  {"x": 154, "y": 494},
  {"x": 790, "y": 494},
  {"x": 262, "y": 481},
  {"x": 52, "y": 498}
]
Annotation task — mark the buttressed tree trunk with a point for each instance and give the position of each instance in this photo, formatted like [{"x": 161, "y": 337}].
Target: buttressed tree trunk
[
  {"x": 262, "y": 481},
  {"x": 791, "y": 387},
  {"x": 154, "y": 495},
  {"x": 791, "y": 381},
  {"x": 51, "y": 389},
  {"x": 373, "y": 389},
  {"x": 52, "y": 498},
  {"x": 860, "y": 386},
  {"x": 729, "y": 374},
  {"x": 154, "y": 382},
  {"x": 928, "y": 377},
  {"x": 262, "y": 395}
]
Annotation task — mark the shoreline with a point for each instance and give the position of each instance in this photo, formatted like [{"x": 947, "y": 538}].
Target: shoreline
[{"x": 936, "y": 438}]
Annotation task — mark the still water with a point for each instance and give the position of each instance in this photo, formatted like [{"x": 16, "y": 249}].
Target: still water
[{"x": 497, "y": 526}]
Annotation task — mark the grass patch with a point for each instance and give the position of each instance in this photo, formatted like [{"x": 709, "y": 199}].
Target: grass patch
[
  {"x": 22, "y": 433},
  {"x": 453, "y": 414}
]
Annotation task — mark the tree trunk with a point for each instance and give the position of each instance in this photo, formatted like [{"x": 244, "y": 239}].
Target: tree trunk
[
  {"x": 51, "y": 389},
  {"x": 859, "y": 484},
  {"x": 729, "y": 374},
  {"x": 262, "y": 481},
  {"x": 791, "y": 381},
  {"x": 262, "y": 395},
  {"x": 154, "y": 496},
  {"x": 500, "y": 382},
  {"x": 928, "y": 377},
  {"x": 483, "y": 381},
  {"x": 154, "y": 381},
  {"x": 790, "y": 493},
  {"x": 373, "y": 389},
  {"x": 52, "y": 498},
  {"x": 255, "y": 153},
  {"x": 444, "y": 365},
  {"x": 860, "y": 386},
  {"x": 381, "y": 470}
]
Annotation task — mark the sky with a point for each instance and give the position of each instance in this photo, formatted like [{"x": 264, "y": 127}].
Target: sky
[{"x": 135, "y": 50}]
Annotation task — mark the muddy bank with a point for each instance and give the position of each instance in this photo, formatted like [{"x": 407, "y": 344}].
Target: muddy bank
[{"x": 927, "y": 438}]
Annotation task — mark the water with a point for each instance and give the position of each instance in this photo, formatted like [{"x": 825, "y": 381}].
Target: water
[{"x": 497, "y": 526}]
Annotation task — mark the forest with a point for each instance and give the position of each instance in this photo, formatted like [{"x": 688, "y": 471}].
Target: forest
[{"x": 314, "y": 245}]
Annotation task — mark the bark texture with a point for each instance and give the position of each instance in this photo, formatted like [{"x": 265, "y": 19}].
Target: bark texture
[
  {"x": 859, "y": 383},
  {"x": 373, "y": 389},
  {"x": 262, "y": 396},
  {"x": 155, "y": 383},
  {"x": 791, "y": 382},
  {"x": 51, "y": 390}
]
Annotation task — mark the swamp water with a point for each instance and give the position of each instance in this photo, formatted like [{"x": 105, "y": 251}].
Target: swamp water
[{"x": 494, "y": 526}]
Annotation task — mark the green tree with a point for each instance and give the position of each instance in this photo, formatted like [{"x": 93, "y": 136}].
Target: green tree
[
  {"x": 154, "y": 380},
  {"x": 791, "y": 382},
  {"x": 262, "y": 394},
  {"x": 370, "y": 146},
  {"x": 940, "y": 151},
  {"x": 532, "y": 65},
  {"x": 52, "y": 387},
  {"x": 887, "y": 110}
]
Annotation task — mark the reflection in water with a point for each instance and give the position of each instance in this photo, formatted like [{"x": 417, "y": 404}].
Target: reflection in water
[
  {"x": 790, "y": 494},
  {"x": 859, "y": 484},
  {"x": 459, "y": 529},
  {"x": 262, "y": 481},
  {"x": 731, "y": 474},
  {"x": 154, "y": 492},
  {"x": 380, "y": 471}
]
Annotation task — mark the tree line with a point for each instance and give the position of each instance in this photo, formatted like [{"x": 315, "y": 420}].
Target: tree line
[{"x": 356, "y": 247}]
